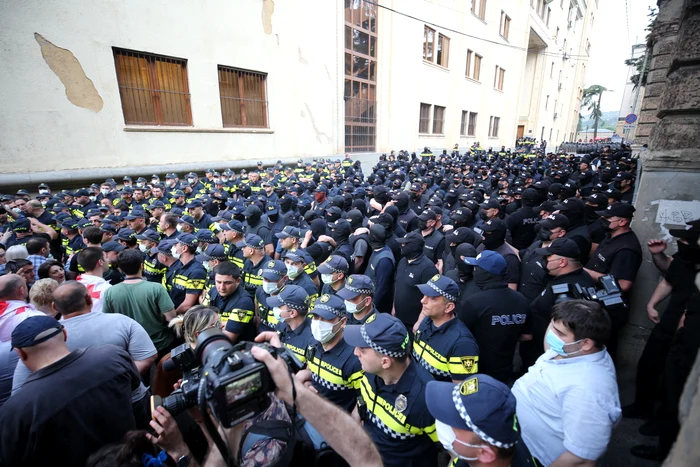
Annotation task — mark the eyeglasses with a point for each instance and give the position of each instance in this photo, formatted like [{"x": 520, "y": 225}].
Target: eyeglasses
[{"x": 215, "y": 324}]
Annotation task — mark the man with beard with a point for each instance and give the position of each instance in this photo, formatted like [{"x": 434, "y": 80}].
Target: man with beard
[
  {"x": 495, "y": 316},
  {"x": 381, "y": 269},
  {"x": 414, "y": 268}
]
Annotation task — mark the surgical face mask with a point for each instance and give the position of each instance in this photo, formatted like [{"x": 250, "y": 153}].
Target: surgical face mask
[
  {"x": 269, "y": 287},
  {"x": 174, "y": 252},
  {"x": 328, "y": 279},
  {"x": 292, "y": 271},
  {"x": 353, "y": 308},
  {"x": 139, "y": 184},
  {"x": 143, "y": 248},
  {"x": 555, "y": 343},
  {"x": 322, "y": 331},
  {"x": 277, "y": 312},
  {"x": 447, "y": 438},
  {"x": 224, "y": 179},
  {"x": 217, "y": 180},
  {"x": 43, "y": 192},
  {"x": 104, "y": 191},
  {"x": 93, "y": 198},
  {"x": 190, "y": 181},
  {"x": 178, "y": 228},
  {"x": 207, "y": 265},
  {"x": 199, "y": 250}
]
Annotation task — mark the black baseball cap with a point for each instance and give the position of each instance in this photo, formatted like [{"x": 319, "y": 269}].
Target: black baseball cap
[
  {"x": 555, "y": 220},
  {"x": 623, "y": 210},
  {"x": 562, "y": 247}
]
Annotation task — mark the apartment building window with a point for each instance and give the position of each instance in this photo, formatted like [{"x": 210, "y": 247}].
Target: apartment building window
[
  {"x": 424, "y": 121},
  {"x": 499, "y": 78},
  {"x": 471, "y": 128},
  {"x": 153, "y": 88},
  {"x": 243, "y": 97},
  {"x": 549, "y": 13},
  {"x": 479, "y": 8},
  {"x": 493, "y": 126},
  {"x": 464, "y": 123},
  {"x": 428, "y": 43},
  {"x": 438, "y": 119},
  {"x": 473, "y": 65},
  {"x": 443, "y": 50},
  {"x": 505, "y": 25}
]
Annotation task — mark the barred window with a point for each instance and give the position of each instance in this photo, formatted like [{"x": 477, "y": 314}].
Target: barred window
[
  {"x": 153, "y": 88},
  {"x": 243, "y": 98}
]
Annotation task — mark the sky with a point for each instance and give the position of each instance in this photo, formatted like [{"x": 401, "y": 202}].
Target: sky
[{"x": 611, "y": 45}]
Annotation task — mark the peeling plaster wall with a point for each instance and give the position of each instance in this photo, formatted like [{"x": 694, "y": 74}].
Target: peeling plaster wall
[{"x": 61, "y": 105}]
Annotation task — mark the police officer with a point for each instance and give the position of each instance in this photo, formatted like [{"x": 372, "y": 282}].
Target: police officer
[
  {"x": 213, "y": 255},
  {"x": 476, "y": 423},
  {"x": 392, "y": 393},
  {"x": 414, "y": 268},
  {"x": 335, "y": 370},
  {"x": 575, "y": 211},
  {"x": 434, "y": 239},
  {"x": 381, "y": 269},
  {"x": 153, "y": 270},
  {"x": 256, "y": 226},
  {"x": 188, "y": 281},
  {"x": 290, "y": 307},
  {"x": 563, "y": 267},
  {"x": 333, "y": 273},
  {"x": 255, "y": 257},
  {"x": 357, "y": 294},
  {"x": 619, "y": 255},
  {"x": 234, "y": 304},
  {"x": 494, "y": 239},
  {"x": 202, "y": 220},
  {"x": 521, "y": 223},
  {"x": 495, "y": 316},
  {"x": 442, "y": 344},
  {"x": 274, "y": 276},
  {"x": 295, "y": 261},
  {"x": 233, "y": 234}
]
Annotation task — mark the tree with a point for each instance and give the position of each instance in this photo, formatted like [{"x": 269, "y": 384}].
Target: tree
[
  {"x": 589, "y": 100},
  {"x": 641, "y": 64}
]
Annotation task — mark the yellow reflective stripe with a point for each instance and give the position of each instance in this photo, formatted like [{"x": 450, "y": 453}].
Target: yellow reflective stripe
[
  {"x": 356, "y": 378},
  {"x": 241, "y": 316},
  {"x": 237, "y": 261},
  {"x": 180, "y": 281},
  {"x": 384, "y": 411},
  {"x": 431, "y": 357},
  {"x": 432, "y": 433},
  {"x": 253, "y": 280},
  {"x": 78, "y": 213},
  {"x": 300, "y": 353},
  {"x": 331, "y": 374}
]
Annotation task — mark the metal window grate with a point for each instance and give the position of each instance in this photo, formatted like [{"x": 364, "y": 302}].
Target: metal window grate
[
  {"x": 243, "y": 98},
  {"x": 153, "y": 88}
]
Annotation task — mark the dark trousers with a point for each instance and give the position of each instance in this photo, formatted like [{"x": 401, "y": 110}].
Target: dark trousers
[
  {"x": 650, "y": 368},
  {"x": 678, "y": 366},
  {"x": 618, "y": 319},
  {"x": 142, "y": 412}
]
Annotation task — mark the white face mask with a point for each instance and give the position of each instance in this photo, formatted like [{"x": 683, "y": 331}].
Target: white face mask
[
  {"x": 104, "y": 191},
  {"x": 143, "y": 248},
  {"x": 139, "y": 184},
  {"x": 322, "y": 331},
  {"x": 199, "y": 250},
  {"x": 178, "y": 228},
  {"x": 175, "y": 254},
  {"x": 269, "y": 287},
  {"x": 217, "y": 180},
  {"x": 447, "y": 437},
  {"x": 43, "y": 192},
  {"x": 328, "y": 279},
  {"x": 292, "y": 271},
  {"x": 352, "y": 307},
  {"x": 190, "y": 181},
  {"x": 207, "y": 266},
  {"x": 92, "y": 198}
]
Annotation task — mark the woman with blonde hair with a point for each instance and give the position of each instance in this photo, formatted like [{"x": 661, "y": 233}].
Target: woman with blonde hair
[
  {"x": 188, "y": 327},
  {"x": 41, "y": 296}
]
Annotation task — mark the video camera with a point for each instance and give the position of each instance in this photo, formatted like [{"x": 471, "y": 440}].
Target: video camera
[
  {"x": 224, "y": 376},
  {"x": 610, "y": 296}
]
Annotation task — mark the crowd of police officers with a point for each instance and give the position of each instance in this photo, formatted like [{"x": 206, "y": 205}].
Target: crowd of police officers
[{"x": 446, "y": 260}]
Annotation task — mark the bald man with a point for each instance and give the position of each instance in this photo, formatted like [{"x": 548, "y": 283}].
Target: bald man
[{"x": 72, "y": 404}]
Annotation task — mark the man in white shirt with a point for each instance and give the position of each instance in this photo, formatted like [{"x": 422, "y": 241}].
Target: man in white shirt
[
  {"x": 568, "y": 402},
  {"x": 94, "y": 262}
]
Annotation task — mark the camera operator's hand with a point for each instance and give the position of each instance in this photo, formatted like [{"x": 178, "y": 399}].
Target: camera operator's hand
[
  {"x": 168, "y": 434},
  {"x": 279, "y": 373},
  {"x": 270, "y": 337},
  {"x": 304, "y": 377}
]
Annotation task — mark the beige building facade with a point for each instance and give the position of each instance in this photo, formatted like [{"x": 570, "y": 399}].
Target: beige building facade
[{"x": 127, "y": 87}]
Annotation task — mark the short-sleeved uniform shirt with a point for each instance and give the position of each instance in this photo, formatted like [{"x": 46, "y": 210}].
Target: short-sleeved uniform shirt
[
  {"x": 236, "y": 310},
  {"x": 268, "y": 322},
  {"x": 335, "y": 373},
  {"x": 304, "y": 281},
  {"x": 620, "y": 256},
  {"x": 252, "y": 274},
  {"x": 448, "y": 352},
  {"x": 296, "y": 340},
  {"x": 398, "y": 420},
  {"x": 189, "y": 279}
]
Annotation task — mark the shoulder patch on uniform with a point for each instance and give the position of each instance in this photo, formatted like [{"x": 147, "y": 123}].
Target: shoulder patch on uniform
[
  {"x": 371, "y": 318},
  {"x": 469, "y": 387},
  {"x": 401, "y": 403},
  {"x": 468, "y": 362}
]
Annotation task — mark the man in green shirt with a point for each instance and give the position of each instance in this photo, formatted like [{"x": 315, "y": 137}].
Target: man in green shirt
[{"x": 145, "y": 302}]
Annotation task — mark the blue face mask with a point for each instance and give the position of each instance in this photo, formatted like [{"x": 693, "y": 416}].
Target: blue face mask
[{"x": 555, "y": 343}]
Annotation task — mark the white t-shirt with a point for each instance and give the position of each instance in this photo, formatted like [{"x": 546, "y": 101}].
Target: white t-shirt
[{"x": 96, "y": 287}]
